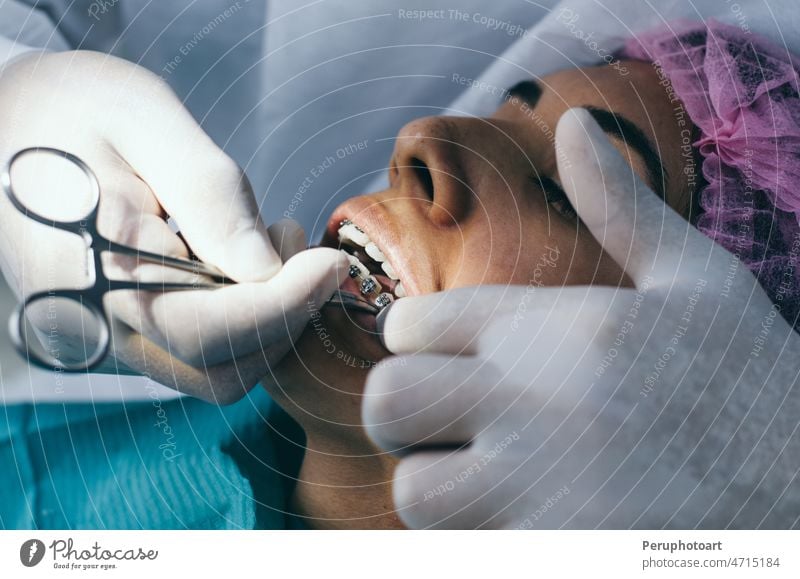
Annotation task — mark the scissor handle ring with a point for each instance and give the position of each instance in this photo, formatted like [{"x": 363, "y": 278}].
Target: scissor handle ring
[
  {"x": 18, "y": 332},
  {"x": 8, "y": 186}
]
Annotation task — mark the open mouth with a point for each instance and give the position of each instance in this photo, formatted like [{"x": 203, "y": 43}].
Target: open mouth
[{"x": 371, "y": 273}]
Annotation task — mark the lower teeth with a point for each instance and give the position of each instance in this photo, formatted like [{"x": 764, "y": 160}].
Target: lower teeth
[
  {"x": 384, "y": 300},
  {"x": 367, "y": 284},
  {"x": 370, "y": 285}
]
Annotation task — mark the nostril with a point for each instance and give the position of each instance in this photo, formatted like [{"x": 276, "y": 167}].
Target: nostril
[{"x": 423, "y": 175}]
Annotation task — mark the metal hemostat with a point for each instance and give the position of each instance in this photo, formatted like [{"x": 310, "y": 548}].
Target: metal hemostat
[{"x": 353, "y": 302}]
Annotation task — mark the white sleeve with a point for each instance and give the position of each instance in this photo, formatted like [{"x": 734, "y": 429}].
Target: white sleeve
[
  {"x": 10, "y": 49},
  {"x": 24, "y": 28}
]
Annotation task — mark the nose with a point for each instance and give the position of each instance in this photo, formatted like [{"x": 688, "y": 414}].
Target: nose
[{"x": 428, "y": 164}]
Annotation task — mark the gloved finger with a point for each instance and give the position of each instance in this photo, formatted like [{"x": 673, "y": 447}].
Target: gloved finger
[
  {"x": 464, "y": 489},
  {"x": 149, "y": 233},
  {"x": 207, "y": 327},
  {"x": 446, "y": 322},
  {"x": 430, "y": 399},
  {"x": 123, "y": 194},
  {"x": 641, "y": 232},
  {"x": 196, "y": 183},
  {"x": 453, "y": 322},
  {"x": 220, "y": 384},
  {"x": 152, "y": 234},
  {"x": 288, "y": 238}
]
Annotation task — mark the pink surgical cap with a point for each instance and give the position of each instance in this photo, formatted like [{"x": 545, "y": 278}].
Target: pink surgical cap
[{"x": 741, "y": 92}]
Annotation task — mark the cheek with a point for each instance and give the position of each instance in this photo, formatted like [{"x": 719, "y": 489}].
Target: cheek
[
  {"x": 543, "y": 253},
  {"x": 551, "y": 249},
  {"x": 517, "y": 250},
  {"x": 488, "y": 254},
  {"x": 590, "y": 265}
]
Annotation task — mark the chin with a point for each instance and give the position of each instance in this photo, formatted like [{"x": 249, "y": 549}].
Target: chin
[
  {"x": 334, "y": 352},
  {"x": 351, "y": 335}
]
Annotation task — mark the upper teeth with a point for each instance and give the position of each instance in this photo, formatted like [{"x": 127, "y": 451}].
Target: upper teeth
[
  {"x": 349, "y": 231},
  {"x": 374, "y": 252},
  {"x": 357, "y": 268},
  {"x": 389, "y": 270}
]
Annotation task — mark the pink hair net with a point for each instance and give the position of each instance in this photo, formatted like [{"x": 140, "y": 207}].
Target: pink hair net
[{"x": 741, "y": 92}]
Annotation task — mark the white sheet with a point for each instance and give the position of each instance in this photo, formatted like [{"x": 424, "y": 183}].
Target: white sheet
[{"x": 580, "y": 32}]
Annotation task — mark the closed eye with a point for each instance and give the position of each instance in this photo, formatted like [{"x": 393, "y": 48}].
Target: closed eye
[{"x": 556, "y": 197}]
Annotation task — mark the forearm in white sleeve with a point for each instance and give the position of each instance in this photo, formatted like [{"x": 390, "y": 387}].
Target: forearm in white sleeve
[
  {"x": 9, "y": 49},
  {"x": 24, "y": 29}
]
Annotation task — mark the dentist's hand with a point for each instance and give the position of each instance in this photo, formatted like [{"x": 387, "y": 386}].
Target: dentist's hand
[
  {"x": 153, "y": 161},
  {"x": 674, "y": 404}
]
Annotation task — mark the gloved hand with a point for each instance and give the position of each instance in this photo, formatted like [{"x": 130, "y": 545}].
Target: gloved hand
[
  {"x": 153, "y": 161},
  {"x": 670, "y": 405}
]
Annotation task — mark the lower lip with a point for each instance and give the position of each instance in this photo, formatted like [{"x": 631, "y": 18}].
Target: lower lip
[{"x": 364, "y": 321}]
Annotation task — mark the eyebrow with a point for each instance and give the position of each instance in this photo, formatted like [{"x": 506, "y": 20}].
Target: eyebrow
[
  {"x": 614, "y": 124},
  {"x": 631, "y": 135}
]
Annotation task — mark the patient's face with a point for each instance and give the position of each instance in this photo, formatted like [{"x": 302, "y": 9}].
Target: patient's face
[{"x": 478, "y": 200}]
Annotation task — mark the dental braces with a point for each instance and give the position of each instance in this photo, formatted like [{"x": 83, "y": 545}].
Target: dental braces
[{"x": 368, "y": 285}]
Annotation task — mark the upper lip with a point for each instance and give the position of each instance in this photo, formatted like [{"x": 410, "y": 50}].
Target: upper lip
[{"x": 373, "y": 220}]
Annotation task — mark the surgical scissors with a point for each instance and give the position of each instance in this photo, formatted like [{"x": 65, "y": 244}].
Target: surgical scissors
[{"x": 68, "y": 329}]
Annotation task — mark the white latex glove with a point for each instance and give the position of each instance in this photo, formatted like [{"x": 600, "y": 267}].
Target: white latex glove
[
  {"x": 153, "y": 160},
  {"x": 671, "y": 405}
]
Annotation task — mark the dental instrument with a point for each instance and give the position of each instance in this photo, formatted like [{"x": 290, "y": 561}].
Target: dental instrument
[{"x": 49, "y": 342}]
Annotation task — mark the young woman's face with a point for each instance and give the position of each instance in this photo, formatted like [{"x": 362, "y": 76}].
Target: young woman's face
[{"x": 478, "y": 200}]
